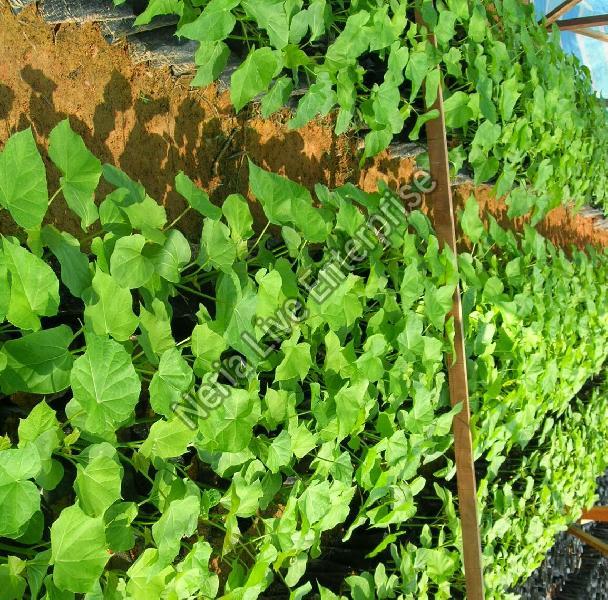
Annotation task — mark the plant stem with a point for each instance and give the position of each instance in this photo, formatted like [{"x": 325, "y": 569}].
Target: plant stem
[
  {"x": 177, "y": 219},
  {"x": 259, "y": 238},
  {"x": 15, "y": 550},
  {"x": 54, "y": 196},
  {"x": 195, "y": 292}
]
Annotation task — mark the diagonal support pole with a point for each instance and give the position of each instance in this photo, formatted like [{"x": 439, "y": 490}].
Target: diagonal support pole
[
  {"x": 589, "y": 539},
  {"x": 560, "y": 11},
  {"x": 596, "y": 35},
  {"x": 583, "y": 22}
]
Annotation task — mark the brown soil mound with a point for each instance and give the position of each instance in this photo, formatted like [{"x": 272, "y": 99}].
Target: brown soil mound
[{"x": 153, "y": 125}]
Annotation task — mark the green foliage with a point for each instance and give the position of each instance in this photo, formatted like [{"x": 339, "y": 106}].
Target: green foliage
[
  {"x": 78, "y": 546},
  {"x": 80, "y": 171},
  {"x": 23, "y": 190},
  {"x": 518, "y": 117},
  {"x": 243, "y": 406}
]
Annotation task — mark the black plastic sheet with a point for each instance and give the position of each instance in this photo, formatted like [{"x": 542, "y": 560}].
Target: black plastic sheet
[
  {"x": 83, "y": 11},
  {"x": 18, "y": 5},
  {"x": 115, "y": 31}
]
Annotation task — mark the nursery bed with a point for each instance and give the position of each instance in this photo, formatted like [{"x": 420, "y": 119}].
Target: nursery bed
[{"x": 514, "y": 288}]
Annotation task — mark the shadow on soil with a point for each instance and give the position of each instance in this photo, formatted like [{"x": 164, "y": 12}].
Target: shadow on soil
[{"x": 161, "y": 141}]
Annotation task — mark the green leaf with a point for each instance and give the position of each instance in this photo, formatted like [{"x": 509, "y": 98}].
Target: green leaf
[
  {"x": 98, "y": 485},
  {"x": 384, "y": 31},
  {"x": 207, "y": 346},
  {"x": 439, "y": 564},
  {"x": 478, "y": 24},
  {"x": 485, "y": 170},
  {"x": 508, "y": 98},
  {"x": 41, "y": 419},
  {"x": 213, "y": 24},
  {"x": 519, "y": 202},
  {"x": 296, "y": 361},
  {"x": 417, "y": 69},
  {"x": 113, "y": 218},
  {"x": 315, "y": 19},
  {"x": 80, "y": 169},
  {"x": 412, "y": 286},
  {"x": 129, "y": 267},
  {"x": 352, "y": 42},
  {"x": 254, "y": 76},
  {"x": 279, "y": 452},
  {"x": 42, "y": 428},
  {"x": 241, "y": 322},
  {"x": 211, "y": 59},
  {"x": 20, "y": 498},
  {"x": 78, "y": 547},
  {"x": 341, "y": 307},
  {"x": 159, "y": 7},
  {"x": 237, "y": 213},
  {"x": 422, "y": 120},
  {"x": 75, "y": 272},
  {"x": 147, "y": 576},
  {"x": 36, "y": 569},
  {"x": 20, "y": 464},
  {"x": 444, "y": 30},
  {"x": 12, "y": 582},
  {"x": 155, "y": 326},
  {"x": 229, "y": 427},
  {"x": 147, "y": 216},
  {"x": 168, "y": 439},
  {"x": 492, "y": 290},
  {"x": 110, "y": 308},
  {"x": 487, "y": 135},
  {"x": 105, "y": 386},
  {"x": 170, "y": 382},
  {"x": 471, "y": 224},
  {"x": 23, "y": 188},
  {"x": 196, "y": 198},
  {"x": 376, "y": 141},
  {"x": 34, "y": 288},
  {"x": 119, "y": 179},
  {"x": 38, "y": 363},
  {"x": 270, "y": 15},
  {"x": 431, "y": 87},
  {"x": 141, "y": 211},
  {"x": 350, "y": 406},
  {"x": 505, "y": 181},
  {"x": 217, "y": 251},
  {"x": 277, "y": 97},
  {"x": 457, "y": 111},
  {"x": 117, "y": 520},
  {"x": 438, "y": 303},
  {"x": 179, "y": 520},
  {"x": 319, "y": 99},
  {"x": 170, "y": 258},
  {"x": 287, "y": 203}
]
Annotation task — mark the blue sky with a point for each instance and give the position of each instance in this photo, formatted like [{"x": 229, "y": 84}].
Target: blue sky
[{"x": 592, "y": 53}]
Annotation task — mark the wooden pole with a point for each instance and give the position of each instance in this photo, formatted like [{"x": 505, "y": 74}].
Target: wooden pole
[
  {"x": 583, "y": 22},
  {"x": 442, "y": 215},
  {"x": 596, "y": 35},
  {"x": 597, "y": 513},
  {"x": 560, "y": 11},
  {"x": 589, "y": 539}
]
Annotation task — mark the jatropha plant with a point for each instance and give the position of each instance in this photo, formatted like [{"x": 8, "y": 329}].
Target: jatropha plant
[{"x": 267, "y": 413}]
